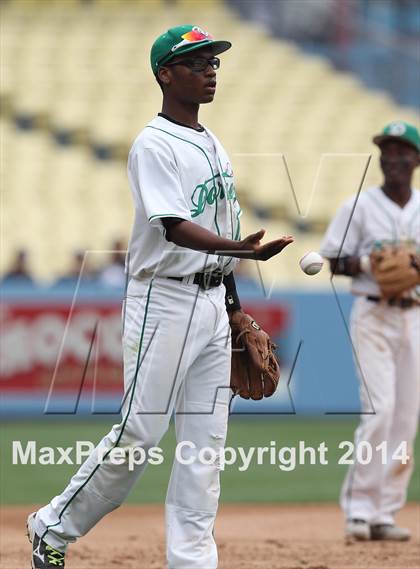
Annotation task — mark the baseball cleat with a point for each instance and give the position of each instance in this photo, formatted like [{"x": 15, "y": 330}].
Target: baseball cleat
[
  {"x": 389, "y": 532},
  {"x": 357, "y": 530},
  {"x": 43, "y": 555}
]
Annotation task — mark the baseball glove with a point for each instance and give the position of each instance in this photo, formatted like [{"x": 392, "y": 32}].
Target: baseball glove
[
  {"x": 394, "y": 269},
  {"x": 255, "y": 371}
]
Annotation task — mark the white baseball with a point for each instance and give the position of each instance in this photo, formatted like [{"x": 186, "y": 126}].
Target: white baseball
[{"x": 311, "y": 263}]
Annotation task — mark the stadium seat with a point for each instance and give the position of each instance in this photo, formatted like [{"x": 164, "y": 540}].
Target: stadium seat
[{"x": 78, "y": 74}]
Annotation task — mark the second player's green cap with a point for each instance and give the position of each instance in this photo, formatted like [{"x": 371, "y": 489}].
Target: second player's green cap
[
  {"x": 183, "y": 39},
  {"x": 399, "y": 130}
]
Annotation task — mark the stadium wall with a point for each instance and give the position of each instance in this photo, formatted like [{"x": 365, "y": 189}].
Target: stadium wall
[{"x": 61, "y": 351}]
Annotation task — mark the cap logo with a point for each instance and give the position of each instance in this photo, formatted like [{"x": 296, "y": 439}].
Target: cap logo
[
  {"x": 195, "y": 35},
  {"x": 397, "y": 128}
]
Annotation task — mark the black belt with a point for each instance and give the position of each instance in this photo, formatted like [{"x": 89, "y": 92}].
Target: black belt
[
  {"x": 400, "y": 302},
  {"x": 204, "y": 280}
]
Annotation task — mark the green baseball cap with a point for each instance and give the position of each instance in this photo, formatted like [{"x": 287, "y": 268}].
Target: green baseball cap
[
  {"x": 399, "y": 130},
  {"x": 183, "y": 39}
]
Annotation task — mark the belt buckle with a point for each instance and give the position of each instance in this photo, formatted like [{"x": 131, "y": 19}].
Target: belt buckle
[
  {"x": 205, "y": 281},
  {"x": 218, "y": 280},
  {"x": 210, "y": 280}
]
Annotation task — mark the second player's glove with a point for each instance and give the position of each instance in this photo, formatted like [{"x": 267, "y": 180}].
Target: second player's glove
[
  {"x": 395, "y": 270},
  {"x": 255, "y": 371}
]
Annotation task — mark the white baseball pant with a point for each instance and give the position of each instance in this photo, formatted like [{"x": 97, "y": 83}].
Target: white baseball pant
[
  {"x": 176, "y": 345},
  {"x": 386, "y": 341}
]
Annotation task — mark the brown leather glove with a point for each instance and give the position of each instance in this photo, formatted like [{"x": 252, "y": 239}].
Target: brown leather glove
[
  {"x": 394, "y": 270},
  {"x": 255, "y": 370}
]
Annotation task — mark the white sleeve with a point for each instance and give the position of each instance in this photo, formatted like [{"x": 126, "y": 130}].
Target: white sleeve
[
  {"x": 347, "y": 222},
  {"x": 160, "y": 186}
]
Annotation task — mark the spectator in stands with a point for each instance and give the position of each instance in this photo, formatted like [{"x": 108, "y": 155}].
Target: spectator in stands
[
  {"x": 19, "y": 271},
  {"x": 113, "y": 274},
  {"x": 80, "y": 268}
]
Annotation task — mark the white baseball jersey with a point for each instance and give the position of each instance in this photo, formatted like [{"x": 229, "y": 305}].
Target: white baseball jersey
[
  {"x": 177, "y": 171},
  {"x": 173, "y": 171},
  {"x": 376, "y": 219},
  {"x": 385, "y": 341}
]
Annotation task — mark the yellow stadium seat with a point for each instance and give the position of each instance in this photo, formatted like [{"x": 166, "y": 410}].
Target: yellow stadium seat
[{"x": 85, "y": 68}]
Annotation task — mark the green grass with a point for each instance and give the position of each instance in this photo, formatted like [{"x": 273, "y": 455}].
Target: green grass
[{"x": 24, "y": 484}]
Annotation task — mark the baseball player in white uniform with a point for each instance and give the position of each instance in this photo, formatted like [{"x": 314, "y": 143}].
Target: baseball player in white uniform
[
  {"x": 385, "y": 335},
  {"x": 176, "y": 337}
]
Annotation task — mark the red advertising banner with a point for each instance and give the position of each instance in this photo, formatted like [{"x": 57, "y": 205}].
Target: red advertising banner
[
  {"x": 44, "y": 343},
  {"x": 47, "y": 347}
]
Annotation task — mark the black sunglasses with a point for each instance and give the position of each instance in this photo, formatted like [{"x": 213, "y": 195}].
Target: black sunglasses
[{"x": 197, "y": 64}]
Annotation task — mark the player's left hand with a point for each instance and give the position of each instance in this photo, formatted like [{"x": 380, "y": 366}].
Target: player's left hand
[
  {"x": 395, "y": 270},
  {"x": 253, "y": 249},
  {"x": 255, "y": 370}
]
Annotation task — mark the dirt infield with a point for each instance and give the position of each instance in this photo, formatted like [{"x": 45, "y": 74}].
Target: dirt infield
[{"x": 249, "y": 537}]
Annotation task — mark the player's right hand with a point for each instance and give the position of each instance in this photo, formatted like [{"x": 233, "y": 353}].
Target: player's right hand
[{"x": 252, "y": 248}]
